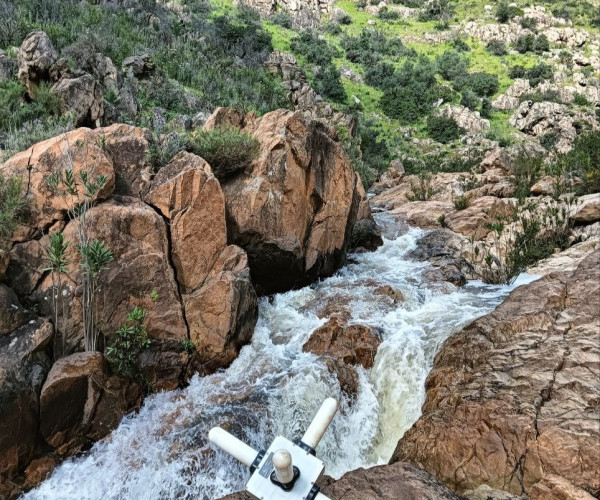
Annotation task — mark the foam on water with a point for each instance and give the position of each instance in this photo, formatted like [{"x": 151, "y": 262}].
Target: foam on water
[{"x": 274, "y": 388}]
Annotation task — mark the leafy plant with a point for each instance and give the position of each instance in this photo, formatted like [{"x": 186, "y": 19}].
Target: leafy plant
[
  {"x": 462, "y": 202},
  {"x": 13, "y": 204},
  {"x": 496, "y": 48},
  {"x": 58, "y": 261},
  {"x": 526, "y": 169},
  {"x": 129, "y": 340},
  {"x": 227, "y": 150},
  {"x": 443, "y": 129},
  {"x": 423, "y": 189}
]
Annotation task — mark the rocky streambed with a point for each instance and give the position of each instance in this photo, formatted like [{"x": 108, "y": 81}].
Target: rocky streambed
[{"x": 275, "y": 385}]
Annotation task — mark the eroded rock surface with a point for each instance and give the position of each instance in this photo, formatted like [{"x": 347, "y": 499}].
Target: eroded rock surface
[{"x": 512, "y": 397}]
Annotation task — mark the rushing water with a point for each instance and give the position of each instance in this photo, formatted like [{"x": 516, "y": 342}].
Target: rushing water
[{"x": 274, "y": 388}]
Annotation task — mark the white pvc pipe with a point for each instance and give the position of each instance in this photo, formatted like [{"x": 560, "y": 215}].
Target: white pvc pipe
[
  {"x": 314, "y": 433},
  {"x": 284, "y": 470},
  {"x": 232, "y": 445}
]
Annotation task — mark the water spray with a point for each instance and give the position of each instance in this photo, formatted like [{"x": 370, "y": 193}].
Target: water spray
[{"x": 287, "y": 470}]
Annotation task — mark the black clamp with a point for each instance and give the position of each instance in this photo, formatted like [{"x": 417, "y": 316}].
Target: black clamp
[
  {"x": 287, "y": 486},
  {"x": 257, "y": 461},
  {"x": 306, "y": 448},
  {"x": 312, "y": 494}
]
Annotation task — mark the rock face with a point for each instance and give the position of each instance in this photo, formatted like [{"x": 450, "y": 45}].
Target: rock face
[
  {"x": 78, "y": 150},
  {"x": 36, "y": 57},
  {"x": 466, "y": 119},
  {"x": 219, "y": 301},
  {"x": 388, "y": 482},
  {"x": 294, "y": 209},
  {"x": 511, "y": 398},
  {"x": 80, "y": 401},
  {"x": 24, "y": 364},
  {"x": 12, "y": 314}
]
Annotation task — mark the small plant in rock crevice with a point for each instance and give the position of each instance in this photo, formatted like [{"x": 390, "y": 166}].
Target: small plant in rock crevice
[
  {"x": 422, "y": 190},
  {"x": 462, "y": 202},
  {"x": 13, "y": 205},
  {"x": 128, "y": 342}
]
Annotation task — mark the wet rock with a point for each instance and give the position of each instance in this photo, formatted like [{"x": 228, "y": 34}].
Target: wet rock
[
  {"x": 38, "y": 470},
  {"x": 510, "y": 397},
  {"x": 388, "y": 291},
  {"x": 4, "y": 261},
  {"x": 294, "y": 209},
  {"x": 24, "y": 364},
  {"x": 365, "y": 233},
  {"x": 78, "y": 150},
  {"x": 449, "y": 273},
  {"x": 36, "y": 57},
  {"x": 80, "y": 401},
  {"x": 471, "y": 221},
  {"x": 484, "y": 492},
  {"x": 351, "y": 344},
  {"x": 82, "y": 98}
]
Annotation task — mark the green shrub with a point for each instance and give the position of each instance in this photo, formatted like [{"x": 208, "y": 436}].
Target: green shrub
[
  {"x": 496, "y": 48},
  {"x": 483, "y": 84},
  {"x": 228, "y": 151},
  {"x": 13, "y": 205},
  {"x": 517, "y": 71},
  {"x": 327, "y": 82},
  {"x": 469, "y": 99},
  {"x": 582, "y": 162},
  {"x": 344, "y": 19},
  {"x": 332, "y": 28},
  {"x": 443, "y": 129},
  {"x": 422, "y": 190},
  {"x": 451, "y": 65},
  {"x": 282, "y": 19},
  {"x": 459, "y": 44},
  {"x": 540, "y": 73},
  {"x": 526, "y": 169},
  {"x": 549, "y": 140},
  {"x": 581, "y": 100},
  {"x": 504, "y": 12},
  {"x": 531, "y": 43},
  {"x": 547, "y": 96},
  {"x": 462, "y": 202},
  {"x": 436, "y": 10},
  {"x": 315, "y": 49},
  {"x": 368, "y": 47},
  {"x": 388, "y": 15},
  {"x": 128, "y": 342},
  {"x": 529, "y": 23},
  {"x": 380, "y": 74},
  {"x": 486, "y": 108}
]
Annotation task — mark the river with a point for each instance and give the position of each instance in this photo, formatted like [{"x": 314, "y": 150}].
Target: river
[{"x": 274, "y": 388}]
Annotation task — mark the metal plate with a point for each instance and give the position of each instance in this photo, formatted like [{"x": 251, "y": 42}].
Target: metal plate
[{"x": 311, "y": 468}]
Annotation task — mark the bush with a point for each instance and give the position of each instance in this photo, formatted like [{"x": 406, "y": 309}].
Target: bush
[
  {"x": 547, "y": 96},
  {"x": 460, "y": 45},
  {"x": 583, "y": 162},
  {"x": 313, "y": 48},
  {"x": 581, "y": 100},
  {"x": 539, "y": 73},
  {"x": 549, "y": 140},
  {"x": 368, "y": 47},
  {"x": 422, "y": 190},
  {"x": 496, "y": 48},
  {"x": 486, "y": 108},
  {"x": 451, "y": 65},
  {"x": 517, "y": 72},
  {"x": 228, "y": 151},
  {"x": 528, "y": 23},
  {"x": 483, "y": 84},
  {"x": 13, "y": 205},
  {"x": 526, "y": 169},
  {"x": 332, "y": 28},
  {"x": 462, "y": 202},
  {"x": 388, "y": 15},
  {"x": 327, "y": 82},
  {"x": 380, "y": 75},
  {"x": 436, "y": 10},
  {"x": 504, "y": 12},
  {"x": 443, "y": 129},
  {"x": 469, "y": 99},
  {"x": 344, "y": 19},
  {"x": 282, "y": 19},
  {"x": 531, "y": 43},
  {"x": 130, "y": 339}
]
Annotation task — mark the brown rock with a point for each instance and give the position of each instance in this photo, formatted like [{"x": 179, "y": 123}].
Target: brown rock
[
  {"x": 365, "y": 234},
  {"x": 79, "y": 401},
  {"x": 471, "y": 221},
  {"x": 36, "y": 57},
  {"x": 129, "y": 148},
  {"x": 24, "y": 364},
  {"x": 352, "y": 344},
  {"x": 554, "y": 487},
  {"x": 12, "y": 314},
  {"x": 425, "y": 214},
  {"x": 4, "y": 261},
  {"x": 82, "y": 98},
  {"x": 511, "y": 397},
  {"x": 223, "y": 313},
  {"x": 545, "y": 186},
  {"x": 224, "y": 118},
  {"x": 294, "y": 209},
  {"x": 78, "y": 150},
  {"x": 187, "y": 193},
  {"x": 587, "y": 209},
  {"x": 388, "y": 291},
  {"x": 38, "y": 470},
  {"x": 495, "y": 159}
]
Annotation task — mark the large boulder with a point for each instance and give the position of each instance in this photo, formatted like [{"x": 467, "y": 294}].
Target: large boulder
[
  {"x": 80, "y": 401},
  {"x": 219, "y": 300},
  {"x": 294, "y": 209},
  {"x": 36, "y": 57},
  {"x": 511, "y": 398},
  {"x": 82, "y": 98},
  {"x": 78, "y": 150},
  {"x": 12, "y": 313},
  {"x": 24, "y": 364}
]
